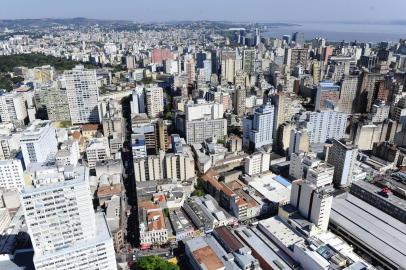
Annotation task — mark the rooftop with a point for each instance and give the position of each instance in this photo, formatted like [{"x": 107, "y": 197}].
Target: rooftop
[{"x": 382, "y": 233}]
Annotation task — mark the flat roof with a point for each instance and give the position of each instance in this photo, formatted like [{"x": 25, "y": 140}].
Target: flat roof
[
  {"x": 272, "y": 187},
  {"x": 392, "y": 199},
  {"x": 281, "y": 231},
  {"x": 382, "y": 233},
  {"x": 261, "y": 248}
]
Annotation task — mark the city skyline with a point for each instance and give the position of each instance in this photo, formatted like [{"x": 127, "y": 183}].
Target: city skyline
[{"x": 178, "y": 10}]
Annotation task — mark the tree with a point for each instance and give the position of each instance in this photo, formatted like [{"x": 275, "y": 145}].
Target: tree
[
  {"x": 199, "y": 188},
  {"x": 155, "y": 263}
]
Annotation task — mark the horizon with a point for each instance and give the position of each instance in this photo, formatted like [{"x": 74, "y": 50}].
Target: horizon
[{"x": 210, "y": 10}]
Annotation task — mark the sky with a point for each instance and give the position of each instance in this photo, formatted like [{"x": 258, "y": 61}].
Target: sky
[{"x": 230, "y": 10}]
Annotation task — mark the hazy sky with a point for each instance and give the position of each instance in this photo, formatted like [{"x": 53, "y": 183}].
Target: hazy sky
[{"x": 237, "y": 10}]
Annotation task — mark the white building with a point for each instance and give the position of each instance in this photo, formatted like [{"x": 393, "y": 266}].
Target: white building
[
  {"x": 97, "y": 150},
  {"x": 300, "y": 163},
  {"x": 64, "y": 230},
  {"x": 325, "y": 125},
  {"x": 38, "y": 142},
  {"x": 343, "y": 156},
  {"x": 257, "y": 163},
  {"x": 176, "y": 167},
  {"x": 83, "y": 95},
  {"x": 68, "y": 154},
  {"x": 313, "y": 197},
  {"x": 258, "y": 128},
  {"x": 138, "y": 146},
  {"x": 5, "y": 220},
  {"x": 9, "y": 144},
  {"x": 12, "y": 107},
  {"x": 155, "y": 100},
  {"x": 204, "y": 121},
  {"x": 11, "y": 174}
]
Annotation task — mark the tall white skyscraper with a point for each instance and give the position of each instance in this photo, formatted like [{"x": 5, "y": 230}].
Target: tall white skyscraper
[
  {"x": 342, "y": 156},
  {"x": 65, "y": 232},
  {"x": 313, "y": 196},
  {"x": 155, "y": 100},
  {"x": 258, "y": 128},
  {"x": 325, "y": 125},
  {"x": 38, "y": 142},
  {"x": 83, "y": 95}
]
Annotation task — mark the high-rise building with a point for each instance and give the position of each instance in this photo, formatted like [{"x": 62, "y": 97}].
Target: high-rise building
[
  {"x": 299, "y": 141},
  {"x": 204, "y": 121},
  {"x": 342, "y": 156},
  {"x": 65, "y": 232},
  {"x": 38, "y": 142},
  {"x": 313, "y": 196},
  {"x": 325, "y": 125},
  {"x": 258, "y": 128},
  {"x": 300, "y": 164},
  {"x": 350, "y": 87},
  {"x": 83, "y": 95},
  {"x": 138, "y": 146},
  {"x": 248, "y": 58},
  {"x": 11, "y": 174},
  {"x": 138, "y": 101},
  {"x": 207, "y": 66},
  {"x": 239, "y": 101},
  {"x": 52, "y": 102},
  {"x": 12, "y": 107},
  {"x": 298, "y": 38},
  {"x": 159, "y": 55},
  {"x": 228, "y": 66},
  {"x": 296, "y": 57},
  {"x": 155, "y": 100},
  {"x": 327, "y": 96},
  {"x": 257, "y": 163}
]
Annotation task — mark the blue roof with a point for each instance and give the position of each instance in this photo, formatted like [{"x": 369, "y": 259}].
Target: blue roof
[{"x": 283, "y": 181}]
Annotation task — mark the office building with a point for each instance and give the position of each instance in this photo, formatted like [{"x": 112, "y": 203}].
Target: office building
[
  {"x": 11, "y": 174},
  {"x": 51, "y": 101},
  {"x": 313, "y": 196},
  {"x": 12, "y": 107},
  {"x": 138, "y": 146},
  {"x": 83, "y": 95},
  {"x": 258, "y": 128},
  {"x": 299, "y": 141},
  {"x": 327, "y": 96},
  {"x": 138, "y": 101},
  {"x": 154, "y": 100},
  {"x": 298, "y": 38},
  {"x": 350, "y": 86},
  {"x": 97, "y": 150},
  {"x": 342, "y": 156},
  {"x": 300, "y": 163},
  {"x": 65, "y": 232},
  {"x": 38, "y": 142},
  {"x": 239, "y": 101},
  {"x": 248, "y": 58},
  {"x": 325, "y": 125},
  {"x": 204, "y": 121},
  {"x": 257, "y": 163}
]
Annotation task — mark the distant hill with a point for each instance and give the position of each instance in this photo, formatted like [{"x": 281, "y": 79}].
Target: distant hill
[{"x": 49, "y": 21}]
